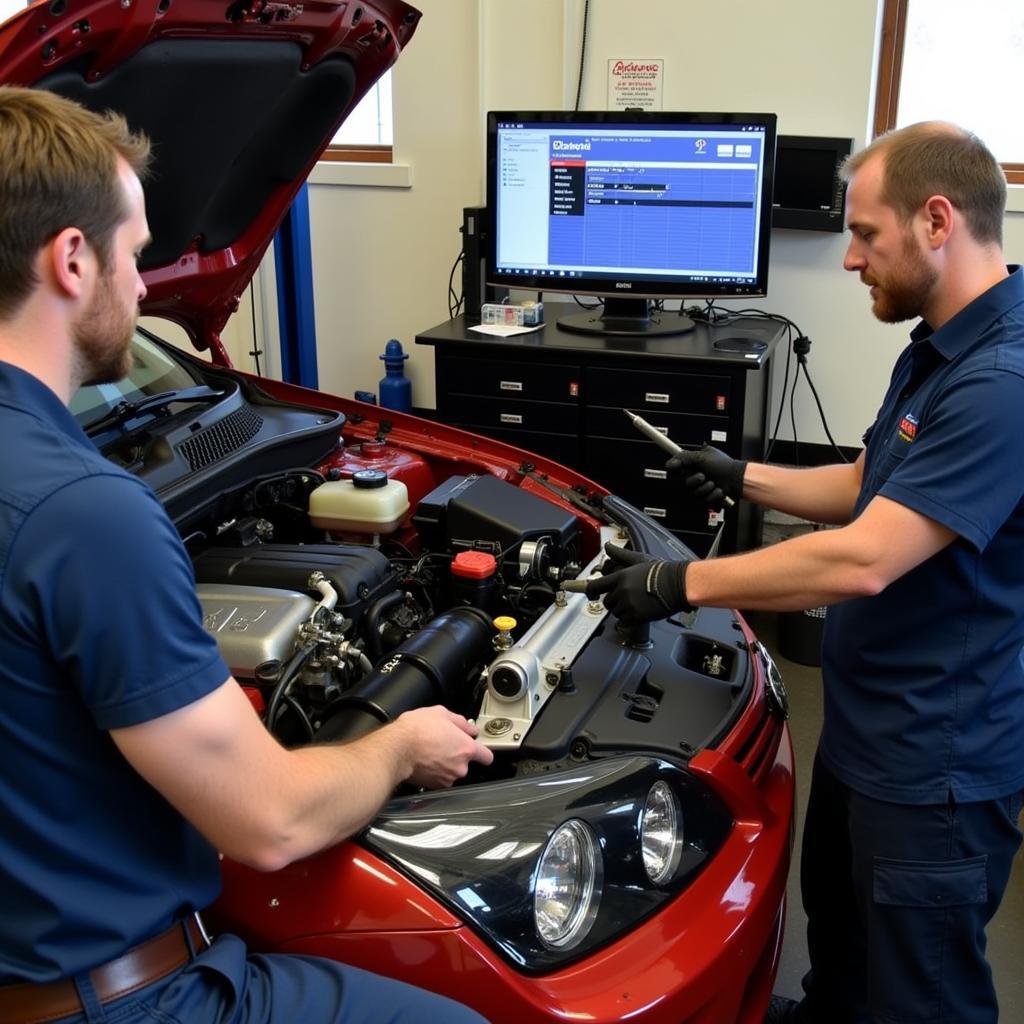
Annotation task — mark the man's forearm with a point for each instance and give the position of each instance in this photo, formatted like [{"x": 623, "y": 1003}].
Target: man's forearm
[
  {"x": 266, "y": 806},
  {"x": 805, "y": 572},
  {"x": 823, "y": 567},
  {"x": 336, "y": 789},
  {"x": 824, "y": 494},
  {"x": 342, "y": 786}
]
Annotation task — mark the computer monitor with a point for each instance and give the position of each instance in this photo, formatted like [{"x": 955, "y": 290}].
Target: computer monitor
[{"x": 630, "y": 207}]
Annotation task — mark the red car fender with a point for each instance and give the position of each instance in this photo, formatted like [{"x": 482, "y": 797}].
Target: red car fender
[{"x": 679, "y": 965}]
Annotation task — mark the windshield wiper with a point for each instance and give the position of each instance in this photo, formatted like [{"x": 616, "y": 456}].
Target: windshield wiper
[{"x": 124, "y": 411}]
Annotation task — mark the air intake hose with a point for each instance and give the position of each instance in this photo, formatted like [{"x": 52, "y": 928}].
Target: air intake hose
[{"x": 432, "y": 667}]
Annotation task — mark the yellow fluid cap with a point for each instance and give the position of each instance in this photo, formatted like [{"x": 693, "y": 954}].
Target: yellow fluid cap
[{"x": 504, "y": 623}]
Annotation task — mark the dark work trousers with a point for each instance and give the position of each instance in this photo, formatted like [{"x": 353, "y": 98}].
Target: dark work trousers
[
  {"x": 897, "y": 899},
  {"x": 225, "y": 985}
]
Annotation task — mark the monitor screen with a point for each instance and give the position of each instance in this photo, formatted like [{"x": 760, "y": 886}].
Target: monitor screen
[{"x": 630, "y": 207}]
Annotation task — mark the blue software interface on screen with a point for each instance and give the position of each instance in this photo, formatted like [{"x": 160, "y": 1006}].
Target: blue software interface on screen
[{"x": 658, "y": 201}]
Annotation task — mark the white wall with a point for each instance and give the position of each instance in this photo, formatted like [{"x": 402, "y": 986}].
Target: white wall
[{"x": 382, "y": 255}]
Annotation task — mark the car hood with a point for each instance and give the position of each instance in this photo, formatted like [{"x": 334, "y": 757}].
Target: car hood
[{"x": 239, "y": 100}]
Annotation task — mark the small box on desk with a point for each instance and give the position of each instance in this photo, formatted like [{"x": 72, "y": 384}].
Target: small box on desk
[{"x": 527, "y": 314}]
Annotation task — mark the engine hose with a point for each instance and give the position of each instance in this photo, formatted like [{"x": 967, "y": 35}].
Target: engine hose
[
  {"x": 372, "y": 619},
  {"x": 288, "y": 674},
  {"x": 434, "y": 666}
]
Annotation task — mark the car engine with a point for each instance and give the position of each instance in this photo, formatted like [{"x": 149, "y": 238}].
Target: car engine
[{"x": 335, "y": 632}]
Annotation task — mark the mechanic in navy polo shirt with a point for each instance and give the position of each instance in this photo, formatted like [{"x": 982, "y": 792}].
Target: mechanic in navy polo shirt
[
  {"x": 911, "y": 825},
  {"x": 129, "y": 754}
]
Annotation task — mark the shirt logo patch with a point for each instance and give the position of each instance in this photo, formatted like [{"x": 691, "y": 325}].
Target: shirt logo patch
[{"x": 908, "y": 428}]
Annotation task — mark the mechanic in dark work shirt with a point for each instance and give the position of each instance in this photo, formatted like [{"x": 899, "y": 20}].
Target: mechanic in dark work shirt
[
  {"x": 130, "y": 756},
  {"x": 911, "y": 825}
]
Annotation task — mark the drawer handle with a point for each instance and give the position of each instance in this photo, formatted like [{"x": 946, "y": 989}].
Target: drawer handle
[
  {"x": 654, "y": 397},
  {"x": 656, "y": 474},
  {"x": 655, "y": 513},
  {"x": 510, "y": 385},
  {"x": 511, "y": 417}
]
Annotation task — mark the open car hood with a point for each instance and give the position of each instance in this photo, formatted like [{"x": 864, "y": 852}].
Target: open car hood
[{"x": 239, "y": 97}]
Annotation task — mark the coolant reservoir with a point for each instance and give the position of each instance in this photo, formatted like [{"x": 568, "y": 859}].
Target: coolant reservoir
[
  {"x": 368, "y": 503},
  {"x": 399, "y": 464}
]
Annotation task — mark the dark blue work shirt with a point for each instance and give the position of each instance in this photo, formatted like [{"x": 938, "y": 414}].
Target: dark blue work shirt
[
  {"x": 924, "y": 683},
  {"x": 100, "y": 628}
]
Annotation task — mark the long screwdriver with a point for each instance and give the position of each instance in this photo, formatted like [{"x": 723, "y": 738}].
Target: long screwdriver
[{"x": 660, "y": 439}]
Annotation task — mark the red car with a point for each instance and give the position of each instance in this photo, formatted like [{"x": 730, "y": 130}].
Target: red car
[{"x": 626, "y": 854}]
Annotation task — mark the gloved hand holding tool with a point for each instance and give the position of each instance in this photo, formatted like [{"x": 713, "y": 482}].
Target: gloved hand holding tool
[
  {"x": 722, "y": 475},
  {"x": 710, "y": 474},
  {"x": 637, "y": 587}
]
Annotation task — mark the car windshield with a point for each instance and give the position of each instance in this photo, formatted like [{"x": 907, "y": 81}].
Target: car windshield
[{"x": 153, "y": 372}]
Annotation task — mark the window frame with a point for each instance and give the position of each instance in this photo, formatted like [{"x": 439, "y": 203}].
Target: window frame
[
  {"x": 890, "y": 68},
  {"x": 366, "y": 154}
]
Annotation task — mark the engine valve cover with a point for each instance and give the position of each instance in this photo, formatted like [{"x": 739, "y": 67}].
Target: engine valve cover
[{"x": 252, "y": 624}]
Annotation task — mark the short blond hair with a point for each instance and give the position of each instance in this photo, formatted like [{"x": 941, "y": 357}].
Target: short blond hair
[
  {"x": 938, "y": 158},
  {"x": 58, "y": 169}
]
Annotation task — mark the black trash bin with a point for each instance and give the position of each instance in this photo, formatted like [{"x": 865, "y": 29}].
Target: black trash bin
[{"x": 800, "y": 635}]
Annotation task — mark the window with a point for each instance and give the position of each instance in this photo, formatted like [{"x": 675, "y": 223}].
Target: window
[
  {"x": 940, "y": 60},
  {"x": 9, "y": 7},
  {"x": 366, "y": 134}
]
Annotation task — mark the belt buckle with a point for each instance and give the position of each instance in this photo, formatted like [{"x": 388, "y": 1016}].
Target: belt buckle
[{"x": 203, "y": 933}]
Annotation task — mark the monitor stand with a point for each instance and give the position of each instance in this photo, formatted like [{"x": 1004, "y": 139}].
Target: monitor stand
[{"x": 626, "y": 317}]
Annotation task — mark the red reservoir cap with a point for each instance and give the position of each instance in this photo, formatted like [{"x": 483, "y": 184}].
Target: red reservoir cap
[{"x": 474, "y": 565}]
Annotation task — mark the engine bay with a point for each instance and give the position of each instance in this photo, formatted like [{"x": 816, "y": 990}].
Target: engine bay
[{"x": 344, "y": 595}]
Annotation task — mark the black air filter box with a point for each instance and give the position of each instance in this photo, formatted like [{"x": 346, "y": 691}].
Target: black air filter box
[{"x": 465, "y": 510}]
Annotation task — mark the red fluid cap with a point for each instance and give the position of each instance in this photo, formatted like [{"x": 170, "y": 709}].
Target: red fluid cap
[{"x": 474, "y": 565}]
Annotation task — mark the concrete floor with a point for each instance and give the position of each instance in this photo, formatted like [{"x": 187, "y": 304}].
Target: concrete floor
[{"x": 1006, "y": 931}]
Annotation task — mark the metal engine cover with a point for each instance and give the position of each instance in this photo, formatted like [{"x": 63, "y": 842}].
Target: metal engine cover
[
  {"x": 252, "y": 624},
  {"x": 360, "y": 575}
]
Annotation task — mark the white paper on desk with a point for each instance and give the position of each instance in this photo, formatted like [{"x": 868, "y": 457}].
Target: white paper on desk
[{"x": 505, "y": 330}]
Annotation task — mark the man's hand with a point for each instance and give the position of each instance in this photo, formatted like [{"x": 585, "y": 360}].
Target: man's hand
[
  {"x": 709, "y": 474},
  {"x": 639, "y": 588},
  {"x": 440, "y": 746}
]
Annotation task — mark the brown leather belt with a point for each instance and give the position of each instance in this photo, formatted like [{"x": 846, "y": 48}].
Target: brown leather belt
[{"x": 37, "y": 1003}]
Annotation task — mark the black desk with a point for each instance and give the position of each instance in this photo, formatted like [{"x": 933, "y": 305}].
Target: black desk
[{"x": 561, "y": 394}]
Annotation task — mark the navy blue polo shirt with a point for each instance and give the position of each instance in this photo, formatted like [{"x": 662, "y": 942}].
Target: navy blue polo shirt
[
  {"x": 99, "y": 628},
  {"x": 924, "y": 683}
]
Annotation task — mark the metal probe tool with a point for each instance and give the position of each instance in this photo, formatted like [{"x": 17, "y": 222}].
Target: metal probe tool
[
  {"x": 660, "y": 439},
  {"x": 579, "y": 586}
]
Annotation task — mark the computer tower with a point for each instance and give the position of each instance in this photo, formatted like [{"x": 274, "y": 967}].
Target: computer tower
[{"x": 475, "y": 291}]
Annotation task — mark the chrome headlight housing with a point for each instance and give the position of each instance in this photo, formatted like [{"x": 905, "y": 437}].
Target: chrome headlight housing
[
  {"x": 661, "y": 833},
  {"x": 550, "y": 867},
  {"x": 567, "y": 892}
]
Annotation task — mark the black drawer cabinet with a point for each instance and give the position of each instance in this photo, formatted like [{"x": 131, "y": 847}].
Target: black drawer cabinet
[
  {"x": 636, "y": 470},
  {"x": 509, "y": 378},
  {"x": 683, "y": 427},
  {"x": 487, "y": 413},
  {"x": 564, "y": 448},
  {"x": 648, "y": 393},
  {"x": 562, "y": 395}
]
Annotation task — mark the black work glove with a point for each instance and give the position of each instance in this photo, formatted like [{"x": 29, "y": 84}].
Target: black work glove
[
  {"x": 640, "y": 588},
  {"x": 710, "y": 474}
]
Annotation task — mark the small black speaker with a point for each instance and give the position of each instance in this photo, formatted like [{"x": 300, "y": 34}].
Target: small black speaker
[
  {"x": 809, "y": 191},
  {"x": 474, "y": 290}
]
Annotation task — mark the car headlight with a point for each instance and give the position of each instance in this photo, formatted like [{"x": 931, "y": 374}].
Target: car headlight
[
  {"x": 568, "y": 887},
  {"x": 549, "y": 867},
  {"x": 661, "y": 834}
]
